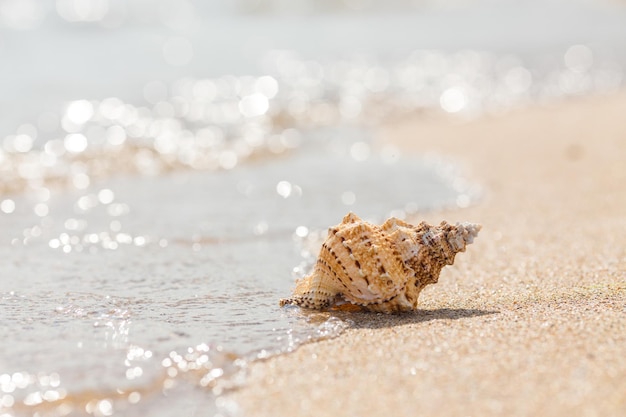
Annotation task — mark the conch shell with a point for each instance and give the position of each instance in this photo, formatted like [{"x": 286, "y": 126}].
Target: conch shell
[{"x": 380, "y": 268}]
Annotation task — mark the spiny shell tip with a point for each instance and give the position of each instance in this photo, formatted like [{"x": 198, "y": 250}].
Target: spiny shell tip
[{"x": 470, "y": 230}]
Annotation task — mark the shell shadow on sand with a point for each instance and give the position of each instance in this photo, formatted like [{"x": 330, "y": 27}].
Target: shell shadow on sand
[{"x": 367, "y": 320}]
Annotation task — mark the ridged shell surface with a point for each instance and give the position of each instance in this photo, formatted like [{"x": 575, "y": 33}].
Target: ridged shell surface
[{"x": 380, "y": 268}]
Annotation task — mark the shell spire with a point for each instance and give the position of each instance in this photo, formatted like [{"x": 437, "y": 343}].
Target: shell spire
[{"x": 380, "y": 268}]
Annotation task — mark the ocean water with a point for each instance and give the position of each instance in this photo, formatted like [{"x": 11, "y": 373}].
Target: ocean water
[{"x": 168, "y": 169}]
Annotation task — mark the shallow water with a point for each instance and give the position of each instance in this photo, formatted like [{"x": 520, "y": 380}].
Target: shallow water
[{"x": 150, "y": 222}]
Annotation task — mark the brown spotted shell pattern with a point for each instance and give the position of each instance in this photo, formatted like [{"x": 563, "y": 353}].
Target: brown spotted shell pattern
[{"x": 380, "y": 268}]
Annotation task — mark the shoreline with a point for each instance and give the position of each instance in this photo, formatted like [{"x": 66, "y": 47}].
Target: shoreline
[{"x": 529, "y": 321}]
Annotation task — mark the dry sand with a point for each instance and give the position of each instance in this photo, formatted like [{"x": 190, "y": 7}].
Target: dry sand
[{"x": 531, "y": 320}]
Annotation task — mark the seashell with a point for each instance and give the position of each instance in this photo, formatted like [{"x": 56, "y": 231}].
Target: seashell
[{"x": 380, "y": 268}]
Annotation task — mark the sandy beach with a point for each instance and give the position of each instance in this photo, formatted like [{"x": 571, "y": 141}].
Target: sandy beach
[{"x": 531, "y": 320}]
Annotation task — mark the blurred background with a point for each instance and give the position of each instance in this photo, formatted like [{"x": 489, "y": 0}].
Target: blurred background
[
  {"x": 118, "y": 267},
  {"x": 95, "y": 75},
  {"x": 53, "y": 52}
]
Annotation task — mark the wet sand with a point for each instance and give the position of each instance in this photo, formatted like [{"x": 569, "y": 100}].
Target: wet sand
[{"x": 531, "y": 320}]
